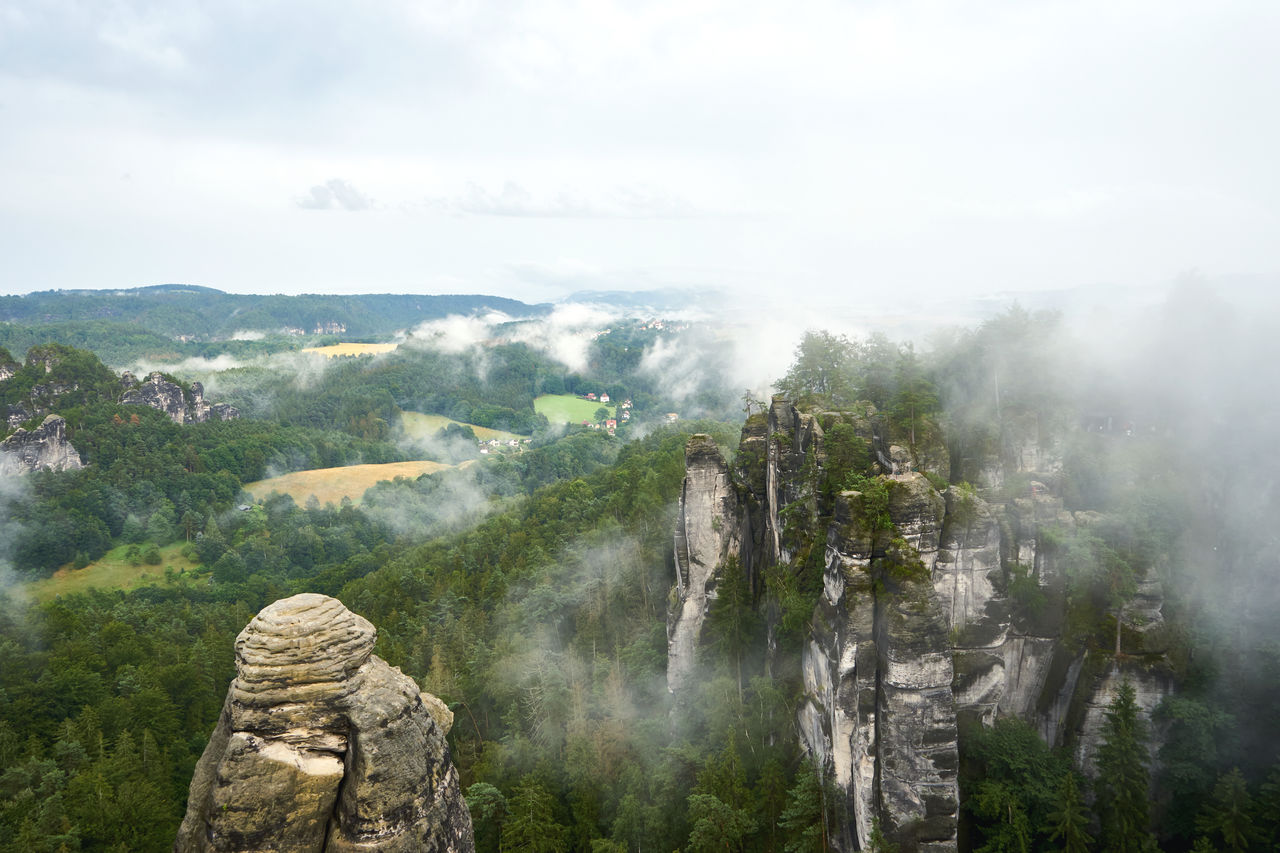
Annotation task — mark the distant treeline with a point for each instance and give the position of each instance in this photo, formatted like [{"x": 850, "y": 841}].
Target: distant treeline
[{"x": 181, "y": 320}]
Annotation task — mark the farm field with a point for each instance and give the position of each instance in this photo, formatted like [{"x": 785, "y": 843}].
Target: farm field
[
  {"x": 112, "y": 571},
  {"x": 568, "y": 409},
  {"x": 335, "y": 350},
  {"x": 419, "y": 426},
  {"x": 334, "y": 484}
]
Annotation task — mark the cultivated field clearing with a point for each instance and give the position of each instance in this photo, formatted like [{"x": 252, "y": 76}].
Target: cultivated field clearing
[
  {"x": 568, "y": 409},
  {"x": 112, "y": 571},
  {"x": 335, "y": 350},
  {"x": 331, "y": 485},
  {"x": 419, "y": 426}
]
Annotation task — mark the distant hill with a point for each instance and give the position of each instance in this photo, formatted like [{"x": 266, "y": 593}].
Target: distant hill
[{"x": 203, "y": 313}]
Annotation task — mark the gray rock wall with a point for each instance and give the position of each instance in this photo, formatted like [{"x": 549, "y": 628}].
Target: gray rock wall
[
  {"x": 161, "y": 394},
  {"x": 879, "y": 710},
  {"x": 896, "y": 655},
  {"x": 45, "y": 447},
  {"x": 707, "y": 534}
]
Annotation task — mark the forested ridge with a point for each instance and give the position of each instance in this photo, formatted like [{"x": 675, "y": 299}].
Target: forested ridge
[{"x": 540, "y": 616}]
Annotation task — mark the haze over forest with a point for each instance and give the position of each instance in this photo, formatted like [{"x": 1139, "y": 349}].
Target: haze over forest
[{"x": 846, "y": 426}]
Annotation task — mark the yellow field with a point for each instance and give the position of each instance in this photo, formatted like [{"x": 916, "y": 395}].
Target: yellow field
[
  {"x": 333, "y": 484},
  {"x": 111, "y": 572},
  {"x": 418, "y": 425},
  {"x": 351, "y": 349}
]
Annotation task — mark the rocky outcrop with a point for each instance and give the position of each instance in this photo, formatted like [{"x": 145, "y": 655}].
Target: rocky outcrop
[
  {"x": 937, "y": 607},
  {"x": 322, "y": 746},
  {"x": 878, "y": 706},
  {"x": 168, "y": 397},
  {"x": 45, "y": 447},
  {"x": 707, "y": 533},
  {"x": 15, "y": 415}
]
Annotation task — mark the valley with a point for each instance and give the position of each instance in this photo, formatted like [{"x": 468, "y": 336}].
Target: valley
[{"x": 879, "y": 607}]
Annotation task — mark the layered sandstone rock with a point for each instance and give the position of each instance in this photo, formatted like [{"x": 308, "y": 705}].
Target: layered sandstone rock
[
  {"x": 168, "y": 397},
  {"x": 322, "y": 746},
  {"x": 706, "y": 535},
  {"x": 45, "y": 447},
  {"x": 935, "y": 607},
  {"x": 878, "y": 707}
]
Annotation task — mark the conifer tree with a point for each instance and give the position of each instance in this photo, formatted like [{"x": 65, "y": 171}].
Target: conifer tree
[
  {"x": 1123, "y": 777},
  {"x": 1226, "y": 817},
  {"x": 531, "y": 823},
  {"x": 1071, "y": 821}
]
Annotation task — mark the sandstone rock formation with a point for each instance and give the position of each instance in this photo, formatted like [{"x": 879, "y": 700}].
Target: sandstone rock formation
[
  {"x": 159, "y": 393},
  {"x": 322, "y": 746},
  {"x": 706, "y": 534},
  {"x": 45, "y": 447},
  {"x": 918, "y": 626},
  {"x": 878, "y": 672}
]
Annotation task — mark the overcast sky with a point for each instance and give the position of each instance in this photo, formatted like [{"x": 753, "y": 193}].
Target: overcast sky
[{"x": 533, "y": 149}]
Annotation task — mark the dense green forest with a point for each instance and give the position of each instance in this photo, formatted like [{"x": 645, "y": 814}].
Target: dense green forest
[
  {"x": 538, "y": 613},
  {"x": 203, "y": 312}
]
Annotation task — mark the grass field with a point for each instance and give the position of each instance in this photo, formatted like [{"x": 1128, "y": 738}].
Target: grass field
[
  {"x": 111, "y": 572},
  {"x": 417, "y": 425},
  {"x": 568, "y": 409},
  {"x": 333, "y": 484},
  {"x": 350, "y": 349}
]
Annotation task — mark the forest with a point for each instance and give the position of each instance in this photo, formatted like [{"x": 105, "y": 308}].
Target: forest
[{"x": 539, "y": 615}]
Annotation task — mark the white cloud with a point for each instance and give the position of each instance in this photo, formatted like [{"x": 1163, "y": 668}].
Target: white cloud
[
  {"x": 878, "y": 147},
  {"x": 334, "y": 193},
  {"x": 514, "y": 200}
]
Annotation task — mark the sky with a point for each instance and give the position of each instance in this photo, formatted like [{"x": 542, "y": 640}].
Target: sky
[{"x": 857, "y": 151}]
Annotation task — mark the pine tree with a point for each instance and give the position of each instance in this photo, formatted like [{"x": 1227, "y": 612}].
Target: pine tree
[
  {"x": 803, "y": 820},
  {"x": 531, "y": 824},
  {"x": 1123, "y": 777},
  {"x": 1226, "y": 816},
  {"x": 1071, "y": 821}
]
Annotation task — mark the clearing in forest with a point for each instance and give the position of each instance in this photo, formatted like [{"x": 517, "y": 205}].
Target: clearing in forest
[
  {"x": 568, "y": 409},
  {"x": 334, "y": 350},
  {"x": 331, "y": 485},
  {"x": 112, "y": 571},
  {"x": 419, "y": 426}
]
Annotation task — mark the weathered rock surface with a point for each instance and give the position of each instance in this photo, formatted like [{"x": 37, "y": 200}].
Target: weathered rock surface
[
  {"x": 159, "y": 393},
  {"x": 322, "y": 746},
  {"x": 879, "y": 706},
  {"x": 45, "y": 447},
  {"x": 16, "y": 415},
  {"x": 954, "y": 610},
  {"x": 706, "y": 535}
]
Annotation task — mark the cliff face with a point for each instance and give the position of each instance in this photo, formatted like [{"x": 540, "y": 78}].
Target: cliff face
[
  {"x": 45, "y": 447},
  {"x": 707, "y": 533},
  {"x": 168, "y": 397},
  {"x": 322, "y": 746},
  {"x": 878, "y": 709},
  {"x": 924, "y": 618}
]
